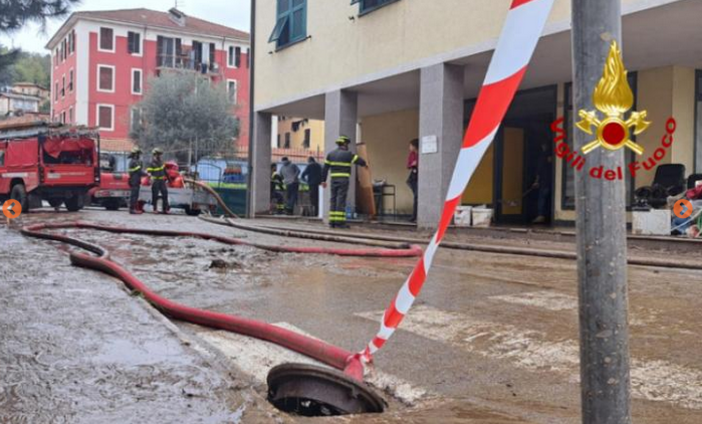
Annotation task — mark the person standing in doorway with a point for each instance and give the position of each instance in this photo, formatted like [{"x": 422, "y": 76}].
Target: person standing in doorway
[
  {"x": 291, "y": 178},
  {"x": 136, "y": 171},
  {"x": 542, "y": 183},
  {"x": 157, "y": 170},
  {"x": 277, "y": 191},
  {"x": 313, "y": 177},
  {"x": 338, "y": 165},
  {"x": 413, "y": 178}
]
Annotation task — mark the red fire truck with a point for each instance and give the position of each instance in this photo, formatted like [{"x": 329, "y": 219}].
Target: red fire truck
[{"x": 46, "y": 161}]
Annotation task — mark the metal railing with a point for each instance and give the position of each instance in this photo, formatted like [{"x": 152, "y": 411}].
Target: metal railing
[{"x": 185, "y": 62}]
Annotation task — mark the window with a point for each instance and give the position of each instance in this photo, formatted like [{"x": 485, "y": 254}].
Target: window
[
  {"x": 106, "y": 78},
  {"x": 134, "y": 43},
  {"x": 287, "y": 140},
  {"x": 56, "y": 57},
  {"x": 232, "y": 91},
  {"x": 63, "y": 86},
  {"x": 63, "y": 117},
  {"x": 107, "y": 40},
  {"x": 72, "y": 42},
  {"x": 291, "y": 25},
  {"x": 70, "y": 80},
  {"x": 2, "y": 155},
  {"x": 234, "y": 57},
  {"x": 56, "y": 91},
  {"x": 166, "y": 51},
  {"x": 61, "y": 52},
  {"x": 135, "y": 119},
  {"x": 105, "y": 117},
  {"x": 70, "y": 115},
  {"x": 136, "y": 81},
  {"x": 278, "y": 142},
  {"x": 308, "y": 137},
  {"x": 370, "y": 5}
]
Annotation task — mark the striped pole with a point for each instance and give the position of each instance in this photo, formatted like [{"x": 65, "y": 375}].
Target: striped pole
[{"x": 523, "y": 27}]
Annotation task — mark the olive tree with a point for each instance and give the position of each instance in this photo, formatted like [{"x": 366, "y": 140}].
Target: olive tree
[{"x": 186, "y": 115}]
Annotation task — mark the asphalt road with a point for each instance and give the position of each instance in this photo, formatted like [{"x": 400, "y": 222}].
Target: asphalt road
[{"x": 492, "y": 338}]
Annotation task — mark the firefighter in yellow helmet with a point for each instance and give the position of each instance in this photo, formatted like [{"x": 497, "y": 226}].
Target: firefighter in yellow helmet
[
  {"x": 136, "y": 171},
  {"x": 338, "y": 165},
  {"x": 157, "y": 169}
]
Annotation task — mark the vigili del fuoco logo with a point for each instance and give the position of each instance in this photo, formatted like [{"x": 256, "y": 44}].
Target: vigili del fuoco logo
[{"x": 612, "y": 97}]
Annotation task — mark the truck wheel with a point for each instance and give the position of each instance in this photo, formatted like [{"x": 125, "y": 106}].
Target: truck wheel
[
  {"x": 74, "y": 204},
  {"x": 111, "y": 204},
  {"x": 19, "y": 193},
  {"x": 191, "y": 212},
  {"x": 55, "y": 203}
]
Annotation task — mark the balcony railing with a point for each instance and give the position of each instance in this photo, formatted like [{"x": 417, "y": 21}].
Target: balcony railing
[{"x": 184, "y": 62}]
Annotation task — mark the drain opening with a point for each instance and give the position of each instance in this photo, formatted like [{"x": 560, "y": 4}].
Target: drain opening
[{"x": 313, "y": 391}]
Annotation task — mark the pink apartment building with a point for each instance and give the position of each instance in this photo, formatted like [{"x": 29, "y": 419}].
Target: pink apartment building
[{"x": 101, "y": 62}]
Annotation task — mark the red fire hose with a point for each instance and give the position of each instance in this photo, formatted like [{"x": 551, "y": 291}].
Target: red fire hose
[{"x": 328, "y": 354}]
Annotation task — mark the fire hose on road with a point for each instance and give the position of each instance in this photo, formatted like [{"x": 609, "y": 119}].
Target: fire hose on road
[{"x": 348, "y": 386}]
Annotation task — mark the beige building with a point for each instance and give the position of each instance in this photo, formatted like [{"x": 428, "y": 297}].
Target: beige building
[
  {"x": 387, "y": 71},
  {"x": 300, "y": 134}
]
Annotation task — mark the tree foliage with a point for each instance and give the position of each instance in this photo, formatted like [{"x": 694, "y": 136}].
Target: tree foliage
[
  {"x": 14, "y": 14},
  {"x": 32, "y": 67},
  {"x": 184, "y": 111}
]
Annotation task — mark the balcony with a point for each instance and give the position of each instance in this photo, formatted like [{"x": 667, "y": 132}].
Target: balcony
[{"x": 186, "y": 63}]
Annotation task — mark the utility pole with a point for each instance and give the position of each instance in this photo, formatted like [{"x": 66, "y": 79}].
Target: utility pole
[{"x": 601, "y": 232}]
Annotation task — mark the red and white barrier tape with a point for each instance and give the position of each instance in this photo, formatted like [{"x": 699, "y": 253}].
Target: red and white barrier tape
[{"x": 523, "y": 27}]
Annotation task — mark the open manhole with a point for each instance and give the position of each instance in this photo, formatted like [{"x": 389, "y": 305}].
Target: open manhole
[{"x": 313, "y": 391}]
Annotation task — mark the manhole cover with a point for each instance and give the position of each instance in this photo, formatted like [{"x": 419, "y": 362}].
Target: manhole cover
[{"x": 313, "y": 391}]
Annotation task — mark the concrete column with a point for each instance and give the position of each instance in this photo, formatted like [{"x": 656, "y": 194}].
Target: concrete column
[
  {"x": 261, "y": 159},
  {"x": 340, "y": 118},
  {"x": 440, "y": 117}
]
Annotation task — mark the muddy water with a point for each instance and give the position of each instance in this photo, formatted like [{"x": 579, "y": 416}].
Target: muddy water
[
  {"x": 76, "y": 348},
  {"x": 493, "y": 339}
]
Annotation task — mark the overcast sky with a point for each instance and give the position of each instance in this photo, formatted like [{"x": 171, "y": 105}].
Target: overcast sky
[{"x": 232, "y": 13}]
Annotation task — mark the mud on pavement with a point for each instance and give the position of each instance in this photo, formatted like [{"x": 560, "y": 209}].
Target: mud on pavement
[{"x": 76, "y": 347}]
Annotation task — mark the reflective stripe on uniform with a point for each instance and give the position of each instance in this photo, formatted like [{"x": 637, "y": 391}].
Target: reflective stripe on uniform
[
  {"x": 156, "y": 169},
  {"x": 340, "y": 175},
  {"x": 346, "y": 164},
  {"x": 355, "y": 159},
  {"x": 135, "y": 169},
  {"x": 158, "y": 178}
]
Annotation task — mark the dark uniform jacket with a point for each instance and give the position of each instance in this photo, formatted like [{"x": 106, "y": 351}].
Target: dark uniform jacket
[
  {"x": 136, "y": 171},
  {"x": 313, "y": 174},
  {"x": 339, "y": 163},
  {"x": 157, "y": 169}
]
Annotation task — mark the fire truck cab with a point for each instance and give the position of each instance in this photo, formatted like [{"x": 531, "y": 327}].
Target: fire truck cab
[{"x": 46, "y": 161}]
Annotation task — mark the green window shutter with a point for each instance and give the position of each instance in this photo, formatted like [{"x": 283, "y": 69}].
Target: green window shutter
[{"x": 279, "y": 27}]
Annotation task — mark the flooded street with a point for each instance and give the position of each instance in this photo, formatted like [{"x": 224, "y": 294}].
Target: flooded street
[{"x": 492, "y": 338}]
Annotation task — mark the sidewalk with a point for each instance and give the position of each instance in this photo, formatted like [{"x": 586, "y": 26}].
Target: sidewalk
[{"x": 76, "y": 347}]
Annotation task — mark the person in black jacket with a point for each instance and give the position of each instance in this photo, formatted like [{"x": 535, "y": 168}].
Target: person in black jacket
[
  {"x": 157, "y": 169},
  {"x": 136, "y": 171},
  {"x": 338, "y": 165},
  {"x": 313, "y": 177}
]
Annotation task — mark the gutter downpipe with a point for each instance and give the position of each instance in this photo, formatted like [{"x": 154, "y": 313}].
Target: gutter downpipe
[{"x": 252, "y": 44}]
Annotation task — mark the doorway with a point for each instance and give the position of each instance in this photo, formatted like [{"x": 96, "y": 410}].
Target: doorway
[{"x": 521, "y": 156}]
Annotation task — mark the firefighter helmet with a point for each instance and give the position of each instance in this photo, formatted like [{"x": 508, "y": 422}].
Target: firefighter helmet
[
  {"x": 136, "y": 150},
  {"x": 157, "y": 151},
  {"x": 343, "y": 140}
]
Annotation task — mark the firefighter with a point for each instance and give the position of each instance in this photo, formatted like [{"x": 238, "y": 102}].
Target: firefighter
[
  {"x": 338, "y": 166},
  {"x": 157, "y": 169},
  {"x": 277, "y": 190},
  {"x": 136, "y": 171}
]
